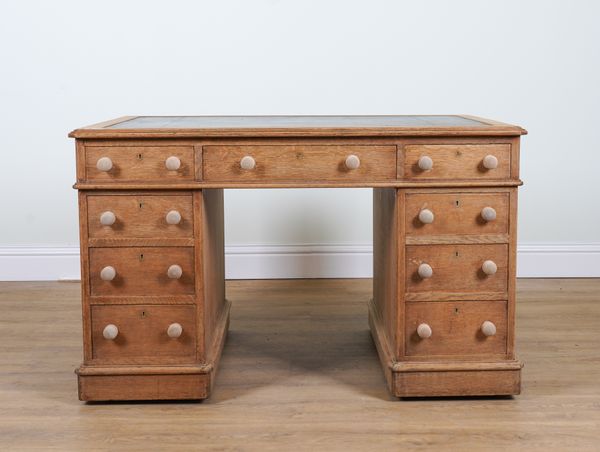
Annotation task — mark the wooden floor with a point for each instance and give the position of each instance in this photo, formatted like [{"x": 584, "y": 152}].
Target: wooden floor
[{"x": 300, "y": 372}]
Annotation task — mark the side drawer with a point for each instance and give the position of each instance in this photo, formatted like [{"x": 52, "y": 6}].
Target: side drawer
[
  {"x": 459, "y": 269},
  {"x": 458, "y": 213},
  {"x": 140, "y": 216},
  {"x": 139, "y": 163},
  {"x": 299, "y": 163},
  {"x": 456, "y": 328},
  {"x": 457, "y": 161},
  {"x": 141, "y": 271},
  {"x": 144, "y": 333}
]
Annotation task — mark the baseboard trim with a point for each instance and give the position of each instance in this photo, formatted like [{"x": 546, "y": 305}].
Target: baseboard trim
[{"x": 541, "y": 260}]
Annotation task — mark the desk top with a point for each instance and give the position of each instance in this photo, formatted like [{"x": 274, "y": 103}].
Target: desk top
[{"x": 295, "y": 126}]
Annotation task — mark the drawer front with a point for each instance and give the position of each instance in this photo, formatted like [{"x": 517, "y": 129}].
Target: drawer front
[
  {"x": 142, "y": 332},
  {"x": 141, "y": 271},
  {"x": 299, "y": 163},
  {"x": 140, "y": 216},
  {"x": 456, "y": 161},
  {"x": 457, "y": 213},
  {"x": 456, "y": 268},
  {"x": 139, "y": 163},
  {"x": 456, "y": 328}
]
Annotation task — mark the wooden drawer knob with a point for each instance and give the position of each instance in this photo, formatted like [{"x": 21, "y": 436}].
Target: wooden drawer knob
[
  {"x": 174, "y": 330},
  {"x": 174, "y": 272},
  {"x": 490, "y": 162},
  {"x": 173, "y": 217},
  {"x": 425, "y": 163},
  {"x": 488, "y": 328},
  {"x": 488, "y": 213},
  {"x": 425, "y": 271},
  {"x": 426, "y": 216},
  {"x": 108, "y": 273},
  {"x": 424, "y": 331},
  {"x": 247, "y": 163},
  {"x": 110, "y": 332},
  {"x": 352, "y": 162},
  {"x": 489, "y": 267},
  {"x": 104, "y": 164},
  {"x": 107, "y": 218},
  {"x": 173, "y": 163}
]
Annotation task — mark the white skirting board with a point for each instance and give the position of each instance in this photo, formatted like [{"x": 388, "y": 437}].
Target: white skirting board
[{"x": 544, "y": 260}]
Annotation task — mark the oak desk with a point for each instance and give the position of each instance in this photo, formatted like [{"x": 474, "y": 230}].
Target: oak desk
[{"x": 155, "y": 315}]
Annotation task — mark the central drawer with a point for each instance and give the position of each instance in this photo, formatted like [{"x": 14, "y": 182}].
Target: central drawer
[
  {"x": 254, "y": 163},
  {"x": 141, "y": 271},
  {"x": 143, "y": 333}
]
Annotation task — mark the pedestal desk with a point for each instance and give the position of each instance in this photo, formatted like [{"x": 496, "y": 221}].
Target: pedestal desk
[{"x": 155, "y": 316}]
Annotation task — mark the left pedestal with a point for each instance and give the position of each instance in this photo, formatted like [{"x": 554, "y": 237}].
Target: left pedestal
[{"x": 155, "y": 316}]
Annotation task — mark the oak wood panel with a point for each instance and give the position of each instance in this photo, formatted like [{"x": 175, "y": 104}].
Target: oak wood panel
[
  {"x": 139, "y": 163},
  {"x": 385, "y": 260},
  {"x": 142, "y": 336},
  {"x": 457, "y": 383},
  {"x": 213, "y": 271},
  {"x": 143, "y": 387},
  {"x": 457, "y": 268},
  {"x": 140, "y": 216},
  {"x": 456, "y": 328},
  {"x": 142, "y": 271},
  {"x": 456, "y": 161},
  {"x": 457, "y": 213},
  {"x": 298, "y": 162}
]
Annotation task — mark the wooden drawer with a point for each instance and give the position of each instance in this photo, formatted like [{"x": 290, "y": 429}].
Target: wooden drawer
[
  {"x": 140, "y": 216},
  {"x": 456, "y": 270},
  {"x": 456, "y": 328},
  {"x": 457, "y": 213},
  {"x": 142, "y": 333},
  {"x": 456, "y": 161},
  {"x": 141, "y": 271},
  {"x": 139, "y": 163},
  {"x": 299, "y": 163}
]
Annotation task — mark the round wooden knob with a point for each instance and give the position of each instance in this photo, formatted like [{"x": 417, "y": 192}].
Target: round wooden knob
[
  {"x": 424, "y": 331},
  {"x": 247, "y": 163},
  {"x": 107, "y": 218},
  {"x": 488, "y": 213},
  {"x": 425, "y": 163},
  {"x": 489, "y": 267},
  {"x": 490, "y": 162},
  {"x": 174, "y": 330},
  {"x": 104, "y": 164},
  {"x": 426, "y": 216},
  {"x": 108, "y": 273},
  {"x": 173, "y": 217},
  {"x": 110, "y": 332},
  {"x": 173, "y": 163},
  {"x": 352, "y": 162},
  {"x": 174, "y": 272},
  {"x": 425, "y": 271},
  {"x": 488, "y": 328}
]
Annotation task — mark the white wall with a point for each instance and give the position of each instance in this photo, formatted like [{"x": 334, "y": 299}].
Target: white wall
[{"x": 66, "y": 64}]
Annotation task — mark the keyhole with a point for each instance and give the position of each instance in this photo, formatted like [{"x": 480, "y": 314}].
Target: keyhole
[
  {"x": 142, "y": 256},
  {"x": 457, "y": 202},
  {"x": 141, "y": 205},
  {"x": 456, "y": 253},
  {"x": 143, "y": 314},
  {"x": 140, "y": 157},
  {"x": 456, "y": 310}
]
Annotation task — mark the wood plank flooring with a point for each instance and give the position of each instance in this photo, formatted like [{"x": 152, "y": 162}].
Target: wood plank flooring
[{"x": 300, "y": 372}]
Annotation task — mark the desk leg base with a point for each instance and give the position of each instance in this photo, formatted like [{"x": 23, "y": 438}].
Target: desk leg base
[
  {"x": 443, "y": 378},
  {"x": 176, "y": 382}
]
